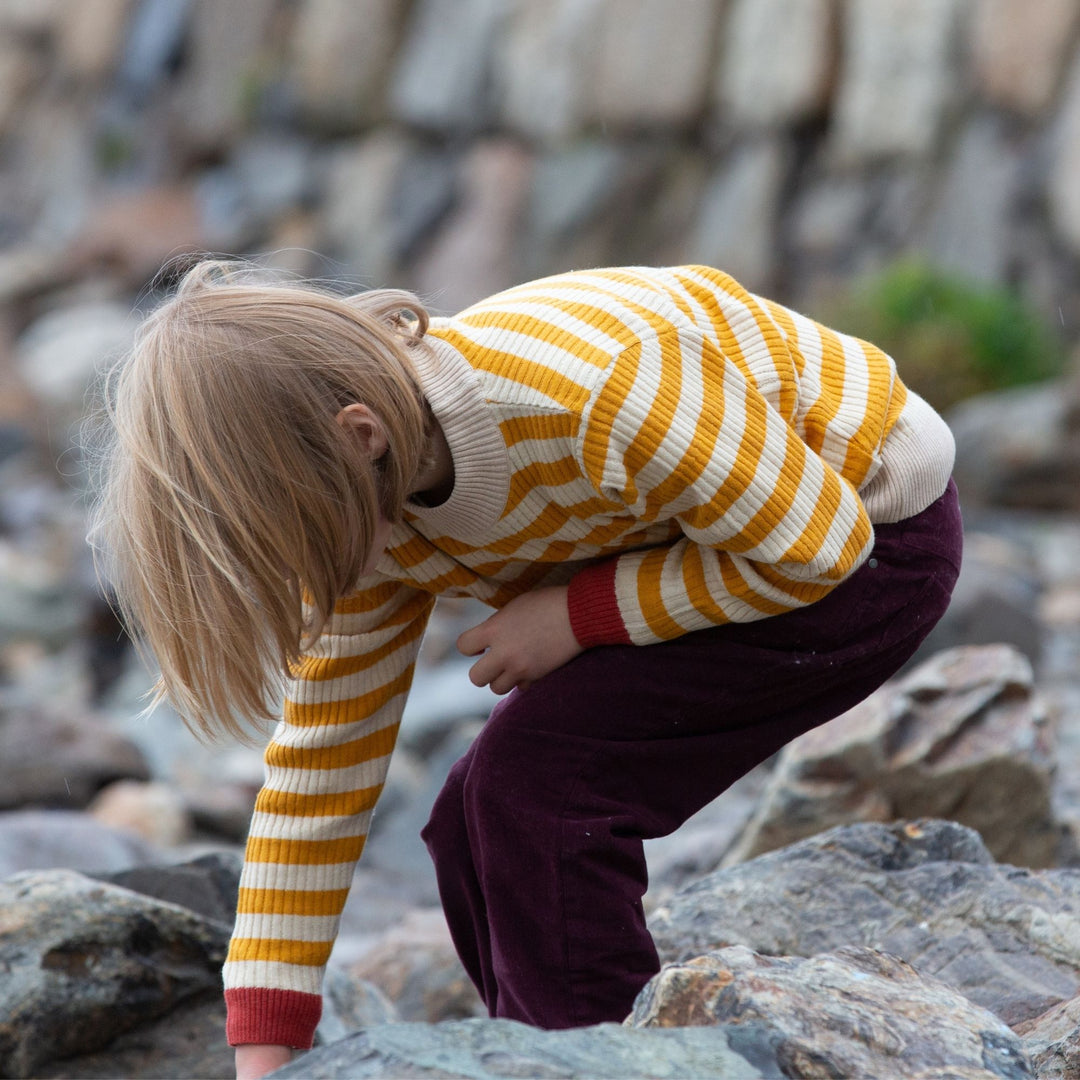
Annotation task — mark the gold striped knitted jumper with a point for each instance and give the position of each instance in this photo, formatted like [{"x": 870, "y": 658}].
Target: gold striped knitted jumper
[{"x": 679, "y": 451}]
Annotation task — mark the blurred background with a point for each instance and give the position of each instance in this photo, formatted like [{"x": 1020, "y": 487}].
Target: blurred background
[{"x": 908, "y": 170}]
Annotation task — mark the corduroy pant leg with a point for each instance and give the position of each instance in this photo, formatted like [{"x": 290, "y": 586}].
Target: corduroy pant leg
[{"x": 537, "y": 834}]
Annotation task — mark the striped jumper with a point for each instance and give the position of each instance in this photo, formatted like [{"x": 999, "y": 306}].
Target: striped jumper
[{"x": 678, "y": 451}]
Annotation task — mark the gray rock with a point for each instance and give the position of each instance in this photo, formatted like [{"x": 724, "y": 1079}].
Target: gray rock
[
  {"x": 443, "y": 75},
  {"x": 416, "y": 967},
  {"x": 350, "y": 1004},
  {"x": 49, "y": 757},
  {"x": 67, "y": 839},
  {"x": 1017, "y": 53},
  {"x": 736, "y": 227},
  {"x": 853, "y": 1012},
  {"x": 962, "y": 737},
  {"x": 1063, "y": 186},
  {"x": 776, "y": 63},
  {"x": 85, "y": 961},
  {"x": 895, "y": 78},
  {"x": 1006, "y": 938},
  {"x": 1052, "y": 1041},
  {"x": 497, "y": 1049}
]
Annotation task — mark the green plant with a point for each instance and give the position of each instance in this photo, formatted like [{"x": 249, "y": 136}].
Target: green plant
[{"x": 951, "y": 338}]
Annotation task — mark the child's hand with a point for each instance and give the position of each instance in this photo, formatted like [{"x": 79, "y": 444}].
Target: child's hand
[
  {"x": 256, "y": 1059},
  {"x": 524, "y": 640}
]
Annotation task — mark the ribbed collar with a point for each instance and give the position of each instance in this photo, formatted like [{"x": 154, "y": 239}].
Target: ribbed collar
[{"x": 481, "y": 464}]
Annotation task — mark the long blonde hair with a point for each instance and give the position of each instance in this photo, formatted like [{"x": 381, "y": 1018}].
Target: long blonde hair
[{"x": 233, "y": 510}]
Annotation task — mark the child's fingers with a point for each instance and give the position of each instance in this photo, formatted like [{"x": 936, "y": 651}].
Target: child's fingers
[
  {"x": 485, "y": 670},
  {"x": 474, "y": 640}
]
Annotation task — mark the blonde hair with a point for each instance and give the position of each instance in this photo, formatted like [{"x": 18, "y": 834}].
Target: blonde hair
[{"x": 233, "y": 509}]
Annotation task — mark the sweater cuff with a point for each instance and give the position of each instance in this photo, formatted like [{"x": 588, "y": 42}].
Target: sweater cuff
[
  {"x": 594, "y": 608},
  {"x": 272, "y": 1017}
]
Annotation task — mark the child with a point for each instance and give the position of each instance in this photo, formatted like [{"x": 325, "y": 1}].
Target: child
[{"x": 707, "y": 524}]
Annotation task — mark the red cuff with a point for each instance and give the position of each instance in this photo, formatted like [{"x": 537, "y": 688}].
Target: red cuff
[
  {"x": 594, "y": 609},
  {"x": 272, "y": 1017}
]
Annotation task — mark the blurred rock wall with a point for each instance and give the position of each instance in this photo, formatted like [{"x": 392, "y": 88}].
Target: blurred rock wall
[{"x": 456, "y": 146}]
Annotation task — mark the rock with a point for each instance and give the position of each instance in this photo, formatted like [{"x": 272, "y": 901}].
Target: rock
[
  {"x": 996, "y": 600},
  {"x": 1052, "y": 1041},
  {"x": 152, "y": 809},
  {"x": 188, "y": 1041},
  {"x": 443, "y": 74},
  {"x": 736, "y": 227},
  {"x": 1017, "y": 53},
  {"x": 85, "y": 962},
  {"x": 1006, "y": 938},
  {"x": 41, "y": 602},
  {"x": 962, "y": 737},
  {"x": 473, "y": 254},
  {"x": 968, "y": 232},
  {"x": 207, "y": 885},
  {"x": 1063, "y": 183},
  {"x": 1019, "y": 447},
  {"x": 496, "y": 1049},
  {"x": 52, "y": 758},
  {"x": 777, "y": 62},
  {"x": 89, "y": 37},
  {"x": 895, "y": 79},
  {"x": 416, "y": 967},
  {"x": 853, "y": 1012},
  {"x": 53, "y": 839},
  {"x": 342, "y": 56},
  {"x": 542, "y": 71},
  {"x": 651, "y": 62},
  {"x": 350, "y": 1004}
]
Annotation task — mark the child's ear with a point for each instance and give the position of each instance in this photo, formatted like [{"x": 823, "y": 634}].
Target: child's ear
[{"x": 365, "y": 426}]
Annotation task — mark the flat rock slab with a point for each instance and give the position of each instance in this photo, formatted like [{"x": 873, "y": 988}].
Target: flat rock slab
[
  {"x": 929, "y": 892},
  {"x": 84, "y": 961},
  {"x": 497, "y": 1049},
  {"x": 854, "y": 1012}
]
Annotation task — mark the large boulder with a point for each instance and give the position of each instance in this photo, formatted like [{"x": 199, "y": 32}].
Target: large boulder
[
  {"x": 962, "y": 737},
  {"x": 853, "y": 1012},
  {"x": 1052, "y": 1041},
  {"x": 496, "y": 1049},
  {"x": 929, "y": 892},
  {"x": 85, "y": 961}
]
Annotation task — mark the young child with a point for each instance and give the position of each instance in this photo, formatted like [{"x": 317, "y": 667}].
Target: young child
[{"x": 706, "y": 523}]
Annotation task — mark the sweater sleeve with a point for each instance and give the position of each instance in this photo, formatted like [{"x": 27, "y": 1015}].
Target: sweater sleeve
[
  {"x": 325, "y": 768},
  {"x": 696, "y": 431}
]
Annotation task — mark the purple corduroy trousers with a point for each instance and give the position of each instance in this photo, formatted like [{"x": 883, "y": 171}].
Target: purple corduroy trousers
[{"x": 536, "y": 835}]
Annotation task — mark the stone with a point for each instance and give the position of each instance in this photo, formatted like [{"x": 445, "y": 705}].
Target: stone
[
  {"x": 85, "y": 961},
  {"x": 777, "y": 62},
  {"x": 41, "y": 601},
  {"x": 963, "y": 736},
  {"x": 415, "y": 966},
  {"x": 852, "y": 1012},
  {"x": 473, "y": 254},
  {"x": 929, "y": 892},
  {"x": 342, "y": 52},
  {"x": 350, "y": 1004},
  {"x": 66, "y": 839},
  {"x": 17, "y": 73},
  {"x": 1052, "y": 1041},
  {"x": 54, "y": 758},
  {"x": 968, "y": 232},
  {"x": 89, "y": 37},
  {"x": 207, "y": 885},
  {"x": 151, "y": 809},
  {"x": 895, "y": 81},
  {"x": 542, "y": 71},
  {"x": 651, "y": 62},
  {"x": 497, "y": 1049},
  {"x": 1017, "y": 52},
  {"x": 827, "y": 215},
  {"x": 1018, "y": 447},
  {"x": 443, "y": 74},
  {"x": 1063, "y": 182},
  {"x": 188, "y": 1041},
  {"x": 736, "y": 226},
  {"x": 996, "y": 600}
]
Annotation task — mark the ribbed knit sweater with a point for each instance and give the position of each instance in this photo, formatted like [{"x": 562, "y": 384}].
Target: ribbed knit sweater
[{"x": 678, "y": 451}]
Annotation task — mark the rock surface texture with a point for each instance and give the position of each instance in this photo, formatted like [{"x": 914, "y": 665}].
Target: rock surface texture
[{"x": 854, "y": 1012}]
